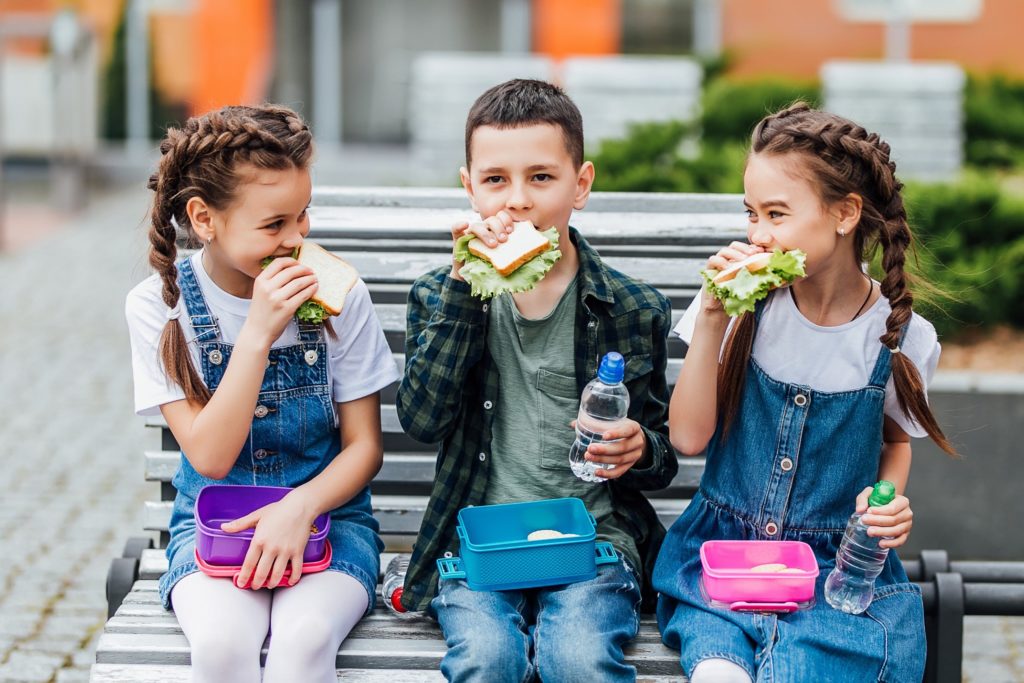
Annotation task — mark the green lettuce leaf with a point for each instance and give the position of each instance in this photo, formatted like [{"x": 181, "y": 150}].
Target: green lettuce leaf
[
  {"x": 485, "y": 282},
  {"x": 308, "y": 312},
  {"x": 311, "y": 312},
  {"x": 740, "y": 294}
]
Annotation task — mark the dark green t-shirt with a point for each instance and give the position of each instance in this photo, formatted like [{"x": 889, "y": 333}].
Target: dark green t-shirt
[{"x": 531, "y": 435}]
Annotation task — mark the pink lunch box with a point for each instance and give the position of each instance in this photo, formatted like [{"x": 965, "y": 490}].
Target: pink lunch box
[{"x": 728, "y": 579}]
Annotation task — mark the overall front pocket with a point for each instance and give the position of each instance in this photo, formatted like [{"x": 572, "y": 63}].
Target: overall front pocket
[{"x": 557, "y": 405}]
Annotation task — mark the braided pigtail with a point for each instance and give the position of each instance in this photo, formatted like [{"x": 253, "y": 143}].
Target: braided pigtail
[
  {"x": 894, "y": 239},
  {"x": 173, "y": 349},
  {"x": 202, "y": 159}
]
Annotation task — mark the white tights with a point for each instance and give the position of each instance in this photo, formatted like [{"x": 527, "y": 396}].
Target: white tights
[
  {"x": 719, "y": 671},
  {"x": 226, "y": 627}
]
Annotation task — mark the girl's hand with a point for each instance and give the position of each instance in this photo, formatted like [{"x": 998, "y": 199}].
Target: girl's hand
[
  {"x": 282, "y": 531},
  {"x": 492, "y": 231},
  {"x": 277, "y": 293},
  {"x": 892, "y": 521},
  {"x": 737, "y": 251},
  {"x": 622, "y": 454}
]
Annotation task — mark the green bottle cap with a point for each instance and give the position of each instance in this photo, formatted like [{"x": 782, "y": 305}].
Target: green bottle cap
[{"x": 883, "y": 494}]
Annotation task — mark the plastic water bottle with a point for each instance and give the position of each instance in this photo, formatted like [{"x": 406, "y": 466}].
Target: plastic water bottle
[
  {"x": 851, "y": 585},
  {"x": 391, "y": 587},
  {"x": 603, "y": 406}
]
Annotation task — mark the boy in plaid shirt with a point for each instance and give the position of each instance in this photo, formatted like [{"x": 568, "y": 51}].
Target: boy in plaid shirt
[{"x": 497, "y": 384}]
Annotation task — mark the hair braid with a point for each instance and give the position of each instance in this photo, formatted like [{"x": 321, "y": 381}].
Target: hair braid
[{"x": 201, "y": 159}]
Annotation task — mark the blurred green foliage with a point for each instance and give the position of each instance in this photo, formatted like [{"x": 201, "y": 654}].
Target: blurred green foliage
[
  {"x": 969, "y": 232},
  {"x": 970, "y": 236},
  {"x": 994, "y": 122}
]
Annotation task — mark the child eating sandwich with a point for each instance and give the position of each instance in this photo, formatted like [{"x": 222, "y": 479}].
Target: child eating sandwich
[{"x": 495, "y": 365}]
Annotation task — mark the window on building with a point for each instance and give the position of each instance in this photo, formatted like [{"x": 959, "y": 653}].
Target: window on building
[{"x": 662, "y": 27}]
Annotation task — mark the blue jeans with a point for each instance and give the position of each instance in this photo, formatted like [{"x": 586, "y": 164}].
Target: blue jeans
[{"x": 574, "y": 632}]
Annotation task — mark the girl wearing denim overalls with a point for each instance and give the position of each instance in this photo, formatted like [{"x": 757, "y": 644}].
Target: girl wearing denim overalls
[
  {"x": 253, "y": 397},
  {"x": 814, "y": 397}
]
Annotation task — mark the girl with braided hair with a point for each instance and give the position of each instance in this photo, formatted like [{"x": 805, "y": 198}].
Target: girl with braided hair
[
  {"x": 255, "y": 397},
  {"x": 800, "y": 405}
]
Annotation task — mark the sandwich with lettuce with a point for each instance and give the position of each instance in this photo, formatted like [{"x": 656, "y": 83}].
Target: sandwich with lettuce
[
  {"x": 740, "y": 286},
  {"x": 335, "y": 278},
  {"x": 515, "y": 265}
]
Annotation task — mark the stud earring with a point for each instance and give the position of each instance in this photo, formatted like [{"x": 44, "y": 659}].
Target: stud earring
[
  {"x": 842, "y": 232},
  {"x": 209, "y": 241}
]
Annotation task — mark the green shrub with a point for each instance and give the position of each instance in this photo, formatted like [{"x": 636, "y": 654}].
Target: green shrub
[
  {"x": 994, "y": 121},
  {"x": 731, "y": 108},
  {"x": 971, "y": 247}
]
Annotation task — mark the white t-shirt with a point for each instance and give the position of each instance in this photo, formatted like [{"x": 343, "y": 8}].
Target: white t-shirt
[
  {"x": 360, "y": 360},
  {"x": 792, "y": 349}
]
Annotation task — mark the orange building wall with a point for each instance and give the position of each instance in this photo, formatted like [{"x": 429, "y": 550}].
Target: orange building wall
[
  {"x": 795, "y": 37},
  {"x": 233, "y": 52},
  {"x": 576, "y": 27}
]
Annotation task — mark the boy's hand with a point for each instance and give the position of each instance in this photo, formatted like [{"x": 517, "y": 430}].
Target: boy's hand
[
  {"x": 282, "y": 531},
  {"x": 621, "y": 454},
  {"x": 492, "y": 231},
  {"x": 892, "y": 521}
]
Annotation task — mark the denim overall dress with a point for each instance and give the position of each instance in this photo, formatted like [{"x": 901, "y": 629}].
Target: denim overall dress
[
  {"x": 293, "y": 437},
  {"x": 790, "y": 469}
]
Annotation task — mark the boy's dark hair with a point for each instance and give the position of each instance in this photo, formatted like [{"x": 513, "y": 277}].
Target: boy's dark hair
[{"x": 524, "y": 102}]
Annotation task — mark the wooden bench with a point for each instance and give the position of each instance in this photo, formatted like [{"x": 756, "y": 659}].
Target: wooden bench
[{"x": 392, "y": 236}]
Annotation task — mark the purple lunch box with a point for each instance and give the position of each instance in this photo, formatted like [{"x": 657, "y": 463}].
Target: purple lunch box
[{"x": 221, "y": 503}]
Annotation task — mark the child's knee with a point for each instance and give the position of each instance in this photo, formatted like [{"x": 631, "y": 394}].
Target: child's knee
[
  {"x": 593, "y": 658},
  {"x": 719, "y": 671},
  {"x": 487, "y": 654},
  {"x": 219, "y": 655},
  {"x": 304, "y": 638}
]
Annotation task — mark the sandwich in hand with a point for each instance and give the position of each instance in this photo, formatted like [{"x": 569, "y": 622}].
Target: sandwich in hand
[
  {"x": 746, "y": 282},
  {"x": 515, "y": 265},
  {"x": 335, "y": 278}
]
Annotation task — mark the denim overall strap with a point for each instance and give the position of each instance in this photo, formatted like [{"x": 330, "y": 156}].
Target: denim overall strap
[
  {"x": 883, "y": 366},
  {"x": 203, "y": 322}
]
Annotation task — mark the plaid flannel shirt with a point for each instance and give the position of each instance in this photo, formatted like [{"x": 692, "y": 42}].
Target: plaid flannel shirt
[{"x": 449, "y": 394}]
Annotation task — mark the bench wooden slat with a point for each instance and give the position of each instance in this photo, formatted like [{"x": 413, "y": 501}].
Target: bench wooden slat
[
  {"x": 428, "y": 199},
  {"x": 399, "y": 516},
  {"x": 109, "y": 673},
  {"x": 397, "y": 650},
  {"x": 413, "y": 473}
]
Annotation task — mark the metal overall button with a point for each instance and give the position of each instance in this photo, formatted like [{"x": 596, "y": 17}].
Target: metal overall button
[
  {"x": 482, "y": 456},
  {"x": 216, "y": 357},
  {"x": 786, "y": 464},
  {"x": 260, "y": 453},
  {"x": 800, "y": 400},
  {"x": 485, "y": 307},
  {"x": 311, "y": 357},
  {"x": 771, "y": 528},
  {"x": 261, "y": 411},
  {"x": 488, "y": 405}
]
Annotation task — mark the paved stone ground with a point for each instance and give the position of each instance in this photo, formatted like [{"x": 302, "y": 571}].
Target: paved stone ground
[{"x": 70, "y": 448}]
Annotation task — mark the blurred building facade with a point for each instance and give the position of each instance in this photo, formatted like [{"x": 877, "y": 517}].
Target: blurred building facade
[{"x": 347, "y": 64}]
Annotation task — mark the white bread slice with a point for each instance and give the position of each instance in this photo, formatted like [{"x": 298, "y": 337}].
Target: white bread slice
[
  {"x": 524, "y": 242},
  {"x": 334, "y": 277},
  {"x": 751, "y": 263}
]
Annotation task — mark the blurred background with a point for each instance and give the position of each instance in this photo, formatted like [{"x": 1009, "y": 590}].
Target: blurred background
[{"x": 669, "y": 90}]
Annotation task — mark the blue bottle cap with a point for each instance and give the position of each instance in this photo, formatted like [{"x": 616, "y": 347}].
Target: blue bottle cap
[{"x": 613, "y": 367}]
